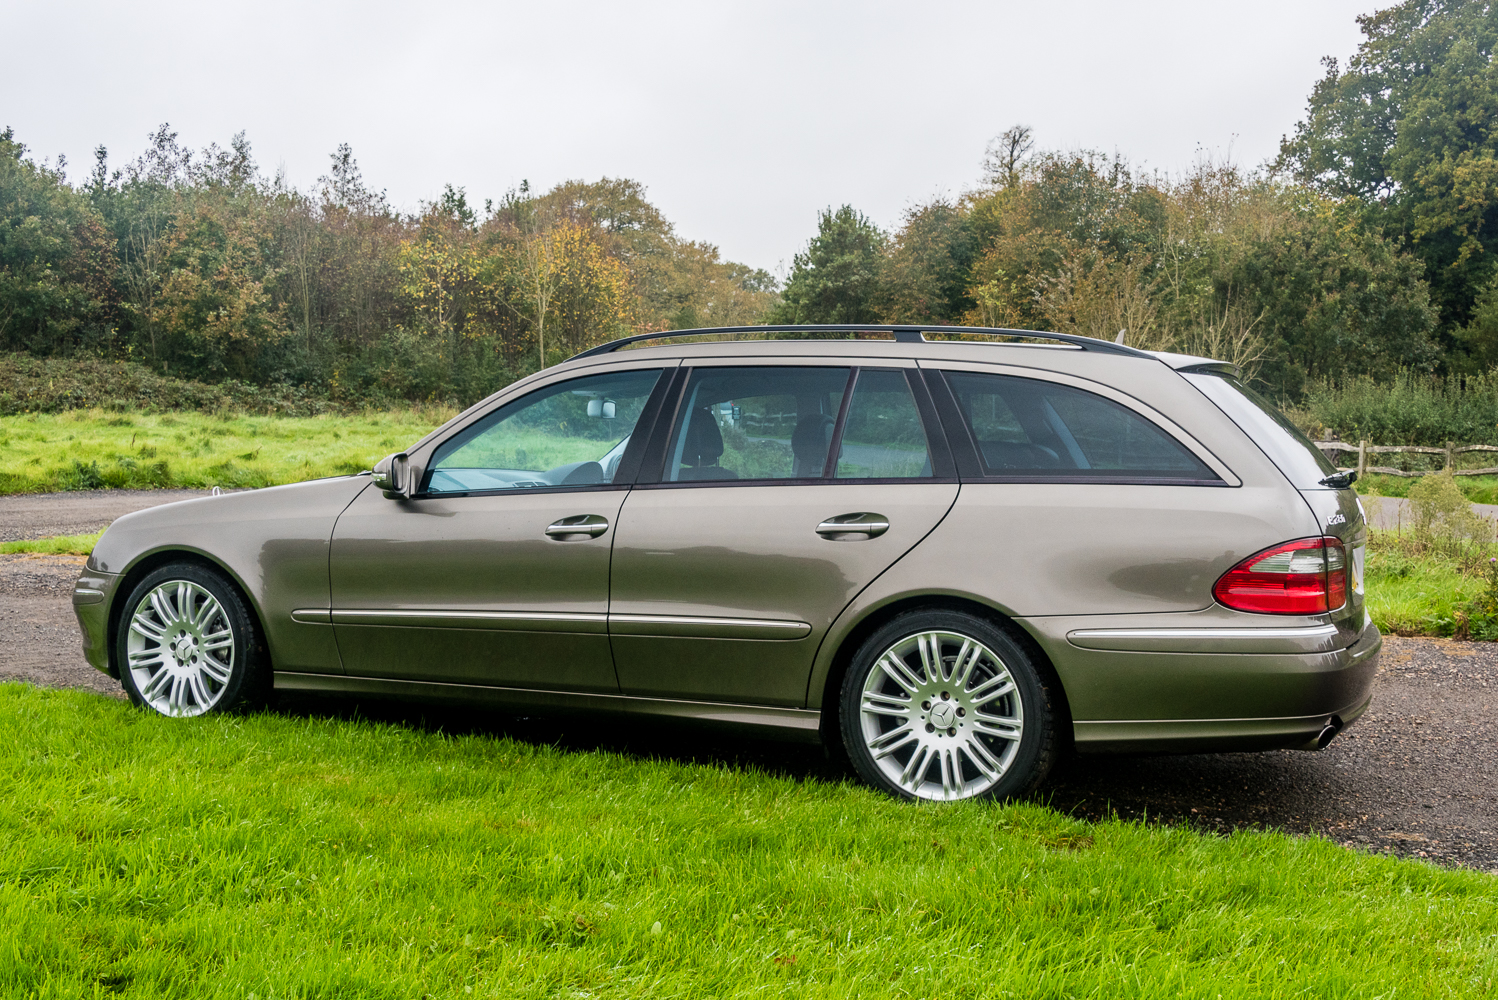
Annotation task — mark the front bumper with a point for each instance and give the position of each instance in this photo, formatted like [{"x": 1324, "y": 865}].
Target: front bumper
[
  {"x": 92, "y": 596},
  {"x": 1163, "y": 687}
]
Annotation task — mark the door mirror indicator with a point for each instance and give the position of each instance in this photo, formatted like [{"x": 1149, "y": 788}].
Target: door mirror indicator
[{"x": 392, "y": 474}]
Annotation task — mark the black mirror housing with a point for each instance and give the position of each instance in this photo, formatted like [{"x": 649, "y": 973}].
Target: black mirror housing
[{"x": 392, "y": 475}]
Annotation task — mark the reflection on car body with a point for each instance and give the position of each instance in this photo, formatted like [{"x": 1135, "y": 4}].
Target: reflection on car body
[{"x": 948, "y": 558}]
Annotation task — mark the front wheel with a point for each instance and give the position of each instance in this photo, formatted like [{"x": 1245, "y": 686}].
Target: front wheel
[
  {"x": 943, "y": 705},
  {"x": 187, "y": 645}
]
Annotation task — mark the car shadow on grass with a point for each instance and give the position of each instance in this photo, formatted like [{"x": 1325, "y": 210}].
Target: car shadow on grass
[
  {"x": 1333, "y": 793},
  {"x": 1212, "y": 792}
]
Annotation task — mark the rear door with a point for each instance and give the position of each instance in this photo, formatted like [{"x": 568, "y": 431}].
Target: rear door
[{"x": 781, "y": 491}]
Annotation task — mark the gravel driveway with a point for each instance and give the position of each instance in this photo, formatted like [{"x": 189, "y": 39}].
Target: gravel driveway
[{"x": 1416, "y": 776}]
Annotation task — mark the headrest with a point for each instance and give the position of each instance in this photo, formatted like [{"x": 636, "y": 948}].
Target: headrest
[
  {"x": 704, "y": 442},
  {"x": 809, "y": 443}
]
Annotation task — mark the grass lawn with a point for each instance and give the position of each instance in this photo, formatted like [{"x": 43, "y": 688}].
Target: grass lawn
[
  {"x": 286, "y": 856},
  {"x": 1477, "y": 489},
  {"x": 1417, "y": 590},
  {"x": 90, "y": 449}
]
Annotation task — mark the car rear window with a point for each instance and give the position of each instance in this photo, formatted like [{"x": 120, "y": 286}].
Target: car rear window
[
  {"x": 1300, "y": 460},
  {"x": 1028, "y": 428}
]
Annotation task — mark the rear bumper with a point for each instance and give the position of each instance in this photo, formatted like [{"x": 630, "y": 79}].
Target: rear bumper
[{"x": 1225, "y": 688}]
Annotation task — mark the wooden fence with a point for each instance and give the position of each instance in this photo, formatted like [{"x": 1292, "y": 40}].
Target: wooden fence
[{"x": 1363, "y": 449}]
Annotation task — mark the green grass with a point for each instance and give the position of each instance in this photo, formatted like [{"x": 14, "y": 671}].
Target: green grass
[
  {"x": 1477, "y": 489},
  {"x": 57, "y": 545},
  {"x": 282, "y": 856},
  {"x": 1414, "y": 593},
  {"x": 93, "y": 449}
]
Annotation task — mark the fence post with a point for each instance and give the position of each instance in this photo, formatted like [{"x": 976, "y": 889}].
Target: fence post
[
  {"x": 1450, "y": 457},
  {"x": 1362, "y": 458}
]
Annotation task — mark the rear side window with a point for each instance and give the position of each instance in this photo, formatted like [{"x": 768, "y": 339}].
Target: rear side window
[
  {"x": 883, "y": 437},
  {"x": 756, "y": 423},
  {"x": 1289, "y": 449},
  {"x": 1030, "y": 429}
]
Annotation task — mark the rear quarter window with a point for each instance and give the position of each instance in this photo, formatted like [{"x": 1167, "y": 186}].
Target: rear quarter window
[
  {"x": 1032, "y": 429},
  {"x": 1290, "y": 450}
]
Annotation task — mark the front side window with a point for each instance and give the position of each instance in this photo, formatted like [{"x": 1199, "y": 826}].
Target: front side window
[
  {"x": 1029, "y": 428},
  {"x": 570, "y": 434},
  {"x": 882, "y": 435},
  {"x": 755, "y": 423}
]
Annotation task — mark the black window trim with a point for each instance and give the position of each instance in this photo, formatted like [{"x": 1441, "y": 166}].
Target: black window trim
[
  {"x": 970, "y": 463},
  {"x": 936, "y": 442}
]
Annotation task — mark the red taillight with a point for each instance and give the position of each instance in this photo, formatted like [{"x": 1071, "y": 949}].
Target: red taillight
[{"x": 1305, "y": 577}]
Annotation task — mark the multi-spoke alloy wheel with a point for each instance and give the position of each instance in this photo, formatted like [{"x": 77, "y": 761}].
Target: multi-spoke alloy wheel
[
  {"x": 946, "y": 707},
  {"x": 183, "y": 645}
]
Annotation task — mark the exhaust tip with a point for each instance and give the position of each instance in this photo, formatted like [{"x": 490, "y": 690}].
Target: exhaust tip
[{"x": 1329, "y": 732}]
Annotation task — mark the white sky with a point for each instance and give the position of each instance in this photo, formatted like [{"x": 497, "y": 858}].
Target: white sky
[{"x": 742, "y": 119}]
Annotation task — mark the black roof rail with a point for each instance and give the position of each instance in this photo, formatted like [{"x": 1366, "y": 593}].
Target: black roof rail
[{"x": 902, "y": 334}]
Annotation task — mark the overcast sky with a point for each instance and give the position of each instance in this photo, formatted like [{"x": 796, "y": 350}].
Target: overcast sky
[{"x": 742, "y": 119}]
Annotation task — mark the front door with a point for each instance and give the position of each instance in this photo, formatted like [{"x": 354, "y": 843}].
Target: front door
[
  {"x": 728, "y": 572},
  {"x": 497, "y": 571}
]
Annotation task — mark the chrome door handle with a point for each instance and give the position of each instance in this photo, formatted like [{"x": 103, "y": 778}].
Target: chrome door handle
[
  {"x": 865, "y": 524},
  {"x": 591, "y": 525}
]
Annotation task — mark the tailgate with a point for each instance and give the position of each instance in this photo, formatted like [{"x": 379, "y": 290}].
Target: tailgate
[{"x": 1340, "y": 514}]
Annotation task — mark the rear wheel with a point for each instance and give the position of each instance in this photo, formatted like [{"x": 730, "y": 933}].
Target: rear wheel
[
  {"x": 187, "y": 645},
  {"x": 943, "y": 705}
]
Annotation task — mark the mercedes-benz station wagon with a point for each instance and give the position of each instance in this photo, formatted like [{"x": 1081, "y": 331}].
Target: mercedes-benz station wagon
[{"x": 949, "y": 559}]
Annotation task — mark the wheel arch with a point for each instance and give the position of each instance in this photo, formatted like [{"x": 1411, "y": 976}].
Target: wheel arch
[
  {"x": 874, "y": 618},
  {"x": 152, "y": 561}
]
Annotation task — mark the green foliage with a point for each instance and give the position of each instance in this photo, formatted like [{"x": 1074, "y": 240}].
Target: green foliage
[
  {"x": 278, "y": 855},
  {"x": 1290, "y": 285},
  {"x": 927, "y": 266},
  {"x": 836, "y": 278},
  {"x": 1441, "y": 514},
  {"x": 1415, "y": 588},
  {"x": 52, "y": 385},
  {"x": 1406, "y": 129},
  {"x": 1403, "y": 408},
  {"x": 55, "y": 257},
  {"x": 195, "y": 264}
]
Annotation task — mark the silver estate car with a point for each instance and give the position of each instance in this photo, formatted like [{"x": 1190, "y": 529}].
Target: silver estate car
[{"x": 949, "y": 559}]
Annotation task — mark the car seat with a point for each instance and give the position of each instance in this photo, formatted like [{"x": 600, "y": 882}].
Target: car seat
[
  {"x": 701, "y": 448},
  {"x": 809, "y": 442}
]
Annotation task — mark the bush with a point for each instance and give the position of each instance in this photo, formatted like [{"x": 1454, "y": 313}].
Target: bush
[
  {"x": 1411, "y": 409},
  {"x": 55, "y": 385}
]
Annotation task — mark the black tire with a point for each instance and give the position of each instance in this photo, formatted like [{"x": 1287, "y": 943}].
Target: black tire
[
  {"x": 193, "y": 607},
  {"x": 907, "y": 755}
]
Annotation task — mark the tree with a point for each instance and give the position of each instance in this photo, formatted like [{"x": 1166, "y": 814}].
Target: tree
[
  {"x": 836, "y": 278},
  {"x": 1006, "y": 154},
  {"x": 1407, "y": 127},
  {"x": 927, "y": 266},
  {"x": 55, "y": 256}
]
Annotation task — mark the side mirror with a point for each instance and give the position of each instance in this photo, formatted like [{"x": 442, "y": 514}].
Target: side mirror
[{"x": 392, "y": 474}]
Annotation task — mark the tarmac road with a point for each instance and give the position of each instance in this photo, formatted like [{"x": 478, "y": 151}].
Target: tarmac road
[{"x": 1416, "y": 776}]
